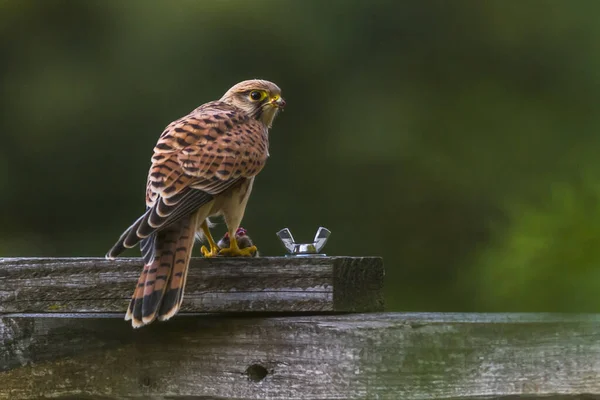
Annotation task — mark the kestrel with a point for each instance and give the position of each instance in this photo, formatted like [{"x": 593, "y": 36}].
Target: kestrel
[{"x": 203, "y": 165}]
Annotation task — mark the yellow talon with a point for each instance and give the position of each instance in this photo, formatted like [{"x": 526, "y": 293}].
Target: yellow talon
[
  {"x": 214, "y": 251},
  {"x": 234, "y": 251},
  {"x": 231, "y": 252}
]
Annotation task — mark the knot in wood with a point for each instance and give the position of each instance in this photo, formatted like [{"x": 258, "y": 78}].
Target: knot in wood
[{"x": 256, "y": 372}]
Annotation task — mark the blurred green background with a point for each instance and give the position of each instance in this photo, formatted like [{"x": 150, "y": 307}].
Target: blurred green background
[{"x": 457, "y": 139}]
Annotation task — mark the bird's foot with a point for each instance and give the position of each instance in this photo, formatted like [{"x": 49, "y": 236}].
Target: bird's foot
[
  {"x": 237, "y": 252},
  {"x": 213, "y": 252}
]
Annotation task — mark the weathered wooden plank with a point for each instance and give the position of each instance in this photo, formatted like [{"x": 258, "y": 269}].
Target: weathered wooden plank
[
  {"x": 263, "y": 284},
  {"x": 354, "y": 356}
]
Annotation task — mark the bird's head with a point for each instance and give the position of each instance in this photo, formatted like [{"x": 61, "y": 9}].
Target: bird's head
[{"x": 260, "y": 99}]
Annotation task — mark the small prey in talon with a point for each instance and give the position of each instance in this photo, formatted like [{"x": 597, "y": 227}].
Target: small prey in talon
[{"x": 243, "y": 241}]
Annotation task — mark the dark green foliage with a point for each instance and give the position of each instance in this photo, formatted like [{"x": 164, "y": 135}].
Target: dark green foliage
[{"x": 458, "y": 140}]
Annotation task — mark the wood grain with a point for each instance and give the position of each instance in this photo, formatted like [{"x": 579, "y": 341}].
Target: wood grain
[
  {"x": 263, "y": 284},
  {"x": 354, "y": 356}
]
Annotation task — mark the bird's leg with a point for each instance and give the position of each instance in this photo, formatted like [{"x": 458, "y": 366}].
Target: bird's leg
[
  {"x": 214, "y": 249},
  {"x": 234, "y": 250}
]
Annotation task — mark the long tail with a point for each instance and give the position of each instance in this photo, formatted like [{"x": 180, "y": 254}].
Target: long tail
[{"x": 159, "y": 290}]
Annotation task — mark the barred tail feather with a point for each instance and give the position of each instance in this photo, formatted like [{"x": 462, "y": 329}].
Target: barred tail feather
[
  {"x": 157, "y": 275},
  {"x": 138, "y": 292},
  {"x": 174, "y": 294},
  {"x": 150, "y": 286}
]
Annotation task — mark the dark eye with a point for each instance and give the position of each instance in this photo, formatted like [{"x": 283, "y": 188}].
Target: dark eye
[{"x": 255, "y": 95}]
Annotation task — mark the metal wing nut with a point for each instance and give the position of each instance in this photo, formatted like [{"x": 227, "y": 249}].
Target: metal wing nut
[{"x": 294, "y": 248}]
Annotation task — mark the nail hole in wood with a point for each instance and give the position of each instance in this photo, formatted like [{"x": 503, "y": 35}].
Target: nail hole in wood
[{"x": 256, "y": 372}]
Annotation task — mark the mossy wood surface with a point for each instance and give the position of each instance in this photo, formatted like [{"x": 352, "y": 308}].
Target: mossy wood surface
[{"x": 352, "y": 356}]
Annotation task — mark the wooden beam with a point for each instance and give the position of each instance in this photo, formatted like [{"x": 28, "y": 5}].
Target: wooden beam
[
  {"x": 358, "y": 356},
  {"x": 263, "y": 284}
]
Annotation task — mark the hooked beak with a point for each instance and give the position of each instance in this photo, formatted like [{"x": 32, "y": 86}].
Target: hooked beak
[{"x": 277, "y": 101}]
